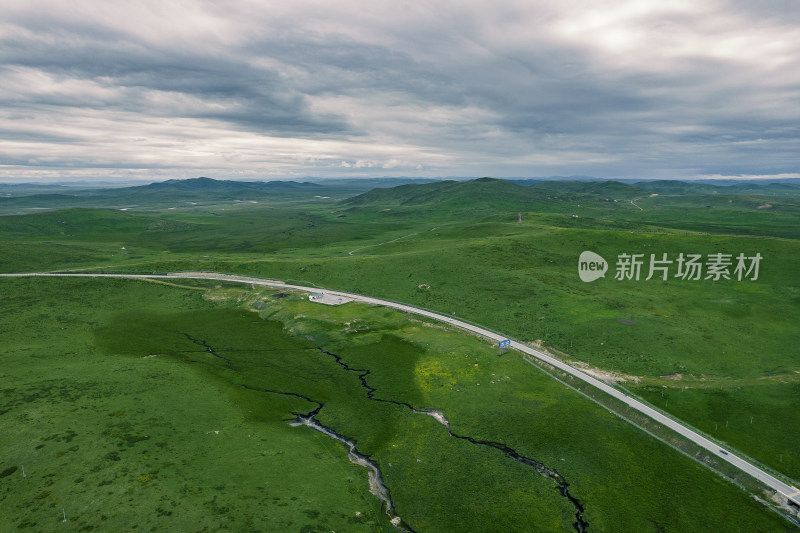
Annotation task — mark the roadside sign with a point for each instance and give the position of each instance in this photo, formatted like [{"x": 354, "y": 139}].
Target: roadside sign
[{"x": 503, "y": 344}]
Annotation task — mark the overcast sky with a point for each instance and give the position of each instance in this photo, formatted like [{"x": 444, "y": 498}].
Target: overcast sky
[{"x": 286, "y": 89}]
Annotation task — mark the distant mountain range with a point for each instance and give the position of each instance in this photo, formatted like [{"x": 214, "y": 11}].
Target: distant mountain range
[
  {"x": 439, "y": 194},
  {"x": 202, "y": 183},
  {"x": 789, "y": 185},
  {"x": 489, "y": 191},
  {"x": 209, "y": 184},
  {"x": 162, "y": 194}
]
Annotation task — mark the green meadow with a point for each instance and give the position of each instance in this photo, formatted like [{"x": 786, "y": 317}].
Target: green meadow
[
  {"x": 720, "y": 355},
  {"x": 124, "y": 419},
  {"x": 126, "y": 424}
]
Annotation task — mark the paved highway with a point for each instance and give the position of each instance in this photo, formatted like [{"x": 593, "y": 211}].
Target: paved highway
[{"x": 788, "y": 491}]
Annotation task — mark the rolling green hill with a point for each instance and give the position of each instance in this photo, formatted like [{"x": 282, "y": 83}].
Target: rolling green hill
[
  {"x": 484, "y": 196},
  {"x": 606, "y": 189}
]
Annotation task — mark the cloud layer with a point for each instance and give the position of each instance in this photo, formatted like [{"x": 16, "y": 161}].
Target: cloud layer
[{"x": 622, "y": 88}]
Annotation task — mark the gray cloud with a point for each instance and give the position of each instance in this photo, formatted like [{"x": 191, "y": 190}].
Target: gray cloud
[
  {"x": 617, "y": 89},
  {"x": 225, "y": 87}
]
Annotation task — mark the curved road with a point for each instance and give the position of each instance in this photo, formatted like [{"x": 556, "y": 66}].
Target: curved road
[{"x": 789, "y": 492}]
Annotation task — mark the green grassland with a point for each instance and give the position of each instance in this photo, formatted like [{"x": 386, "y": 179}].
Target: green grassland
[
  {"x": 123, "y": 418},
  {"x": 721, "y": 355},
  {"x": 122, "y": 441}
]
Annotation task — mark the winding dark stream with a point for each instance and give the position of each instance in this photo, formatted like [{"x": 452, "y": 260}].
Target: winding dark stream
[
  {"x": 580, "y": 525},
  {"x": 210, "y": 350},
  {"x": 376, "y": 484}
]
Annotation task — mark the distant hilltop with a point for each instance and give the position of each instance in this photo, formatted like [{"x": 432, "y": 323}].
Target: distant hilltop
[
  {"x": 526, "y": 194},
  {"x": 209, "y": 184}
]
